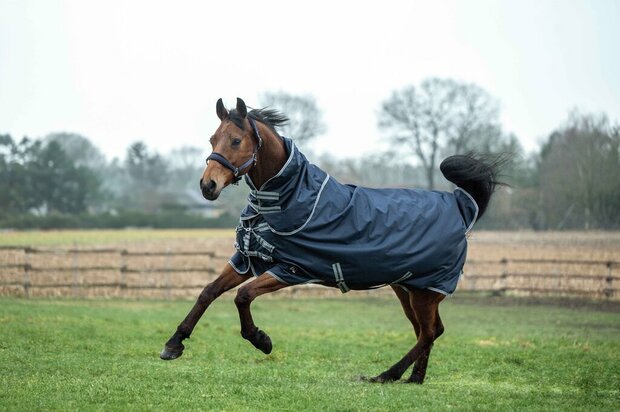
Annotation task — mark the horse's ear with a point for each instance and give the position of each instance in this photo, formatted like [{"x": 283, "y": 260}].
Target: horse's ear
[
  {"x": 221, "y": 111},
  {"x": 241, "y": 109}
]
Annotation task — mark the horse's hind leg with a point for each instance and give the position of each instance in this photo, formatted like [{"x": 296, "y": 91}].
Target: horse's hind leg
[
  {"x": 265, "y": 283},
  {"x": 226, "y": 281},
  {"x": 424, "y": 304},
  {"x": 405, "y": 302},
  {"x": 419, "y": 368}
]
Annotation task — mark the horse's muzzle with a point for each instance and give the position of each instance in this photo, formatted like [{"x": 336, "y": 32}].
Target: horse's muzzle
[{"x": 209, "y": 189}]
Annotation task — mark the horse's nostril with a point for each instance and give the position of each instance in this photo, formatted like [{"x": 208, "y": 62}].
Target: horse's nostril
[{"x": 210, "y": 187}]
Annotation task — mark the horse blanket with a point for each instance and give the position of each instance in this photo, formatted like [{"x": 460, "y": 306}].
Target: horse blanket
[{"x": 303, "y": 226}]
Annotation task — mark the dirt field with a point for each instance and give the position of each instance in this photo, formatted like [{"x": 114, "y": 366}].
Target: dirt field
[{"x": 159, "y": 276}]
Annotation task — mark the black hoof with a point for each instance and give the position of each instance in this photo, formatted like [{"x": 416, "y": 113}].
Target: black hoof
[
  {"x": 417, "y": 375},
  {"x": 260, "y": 340},
  {"x": 171, "y": 352},
  {"x": 383, "y": 378},
  {"x": 415, "y": 379}
]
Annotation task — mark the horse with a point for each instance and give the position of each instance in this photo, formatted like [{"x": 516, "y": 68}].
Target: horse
[{"x": 303, "y": 226}]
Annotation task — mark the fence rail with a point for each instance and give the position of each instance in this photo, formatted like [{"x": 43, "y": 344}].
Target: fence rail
[
  {"x": 122, "y": 252},
  {"x": 123, "y": 269},
  {"x": 502, "y": 280},
  {"x": 607, "y": 263},
  {"x": 555, "y": 282},
  {"x": 119, "y": 256}
]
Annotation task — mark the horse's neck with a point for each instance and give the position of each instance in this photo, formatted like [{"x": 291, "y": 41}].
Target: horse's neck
[{"x": 269, "y": 159}]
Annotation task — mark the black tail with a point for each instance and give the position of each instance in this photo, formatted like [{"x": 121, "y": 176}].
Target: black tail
[{"x": 476, "y": 174}]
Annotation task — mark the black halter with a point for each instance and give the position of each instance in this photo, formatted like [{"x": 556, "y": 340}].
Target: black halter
[{"x": 250, "y": 162}]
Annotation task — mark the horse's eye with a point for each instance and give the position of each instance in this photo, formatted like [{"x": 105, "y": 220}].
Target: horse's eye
[{"x": 236, "y": 142}]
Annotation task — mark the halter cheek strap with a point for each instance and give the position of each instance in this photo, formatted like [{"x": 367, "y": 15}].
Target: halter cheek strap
[{"x": 250, "y": 162}]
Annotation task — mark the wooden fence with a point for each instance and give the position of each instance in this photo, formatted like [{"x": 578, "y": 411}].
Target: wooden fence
[
  {"x": 117, "y": 270},
  {"x": 581, "y": 278},
  {"x": 127, "y": 273}
]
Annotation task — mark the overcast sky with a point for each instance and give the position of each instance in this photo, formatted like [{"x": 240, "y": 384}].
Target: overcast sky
[{"x": 121, "y": 71}]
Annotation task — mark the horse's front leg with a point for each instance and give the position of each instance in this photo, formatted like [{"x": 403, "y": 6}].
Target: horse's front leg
[
  {"x": 226, "y": 281},
  {"x": 265, "y": 283}
]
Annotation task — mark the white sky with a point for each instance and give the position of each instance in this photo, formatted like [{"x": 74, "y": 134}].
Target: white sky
[{"x": 121, "y": 71}]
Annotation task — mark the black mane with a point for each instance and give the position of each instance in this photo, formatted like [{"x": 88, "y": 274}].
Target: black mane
[{"x": 269, "y": 117}]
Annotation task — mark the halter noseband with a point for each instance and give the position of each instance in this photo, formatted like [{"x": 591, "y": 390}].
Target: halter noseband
[{"x": 250, "y": 162}]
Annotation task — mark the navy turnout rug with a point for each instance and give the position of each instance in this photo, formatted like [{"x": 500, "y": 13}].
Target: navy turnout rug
[{"x": 303, "y": 226}]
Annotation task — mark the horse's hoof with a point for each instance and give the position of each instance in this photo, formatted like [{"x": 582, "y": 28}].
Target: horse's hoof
[
  {"x": 417, "y": 375},
  {"x": 383, "y": 378},
  {"x": 415, "y": 379},
  {"x": 171, "y": 353},
  {"x": 262, "y": 341},
  {"x": 259, "y": 339}
]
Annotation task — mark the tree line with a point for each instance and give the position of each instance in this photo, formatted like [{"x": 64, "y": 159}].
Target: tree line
[{"x": 571, "y": 182}]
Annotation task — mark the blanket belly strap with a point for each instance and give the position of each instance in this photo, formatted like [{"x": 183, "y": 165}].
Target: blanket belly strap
[{"x": 339, "y": 278}]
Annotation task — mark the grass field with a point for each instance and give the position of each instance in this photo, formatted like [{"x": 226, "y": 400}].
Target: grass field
[{"x": 103, "y": 354}]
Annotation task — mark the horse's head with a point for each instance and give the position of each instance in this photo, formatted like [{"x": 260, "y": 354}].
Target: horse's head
[{"x": 234, "y": 143}]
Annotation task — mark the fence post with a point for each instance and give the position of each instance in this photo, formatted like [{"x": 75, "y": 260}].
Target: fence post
[
  {"x": 74, "y": 274},
  {"x": 27, "y": 271},
  {"x": 167, "y": 274},
  {"x": 560, "y": 278},
  {"x": 608, "y": 282},
  {"x": 121, "y": 273},
  {"x": 502, "y": 277}
]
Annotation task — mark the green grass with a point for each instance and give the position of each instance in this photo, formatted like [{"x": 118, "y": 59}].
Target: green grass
[
  {"x": 104, "y": 236},
  {"x": 102, "y": 354}
]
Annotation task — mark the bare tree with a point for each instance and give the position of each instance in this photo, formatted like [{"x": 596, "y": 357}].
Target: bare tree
[
  {"x": 306, "y": 119},
  {"x": 473, "y": 118},
  {"x": 580, "y": 174},
  {"x": 442, "y": 115}
]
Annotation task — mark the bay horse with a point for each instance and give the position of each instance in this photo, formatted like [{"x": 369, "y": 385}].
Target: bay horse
[{"x": 302, "y": 226}]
